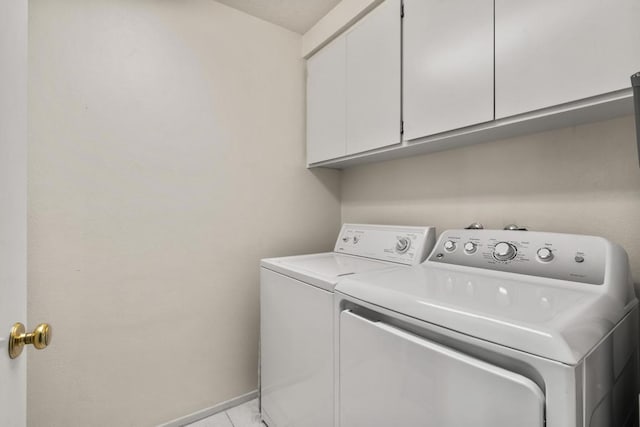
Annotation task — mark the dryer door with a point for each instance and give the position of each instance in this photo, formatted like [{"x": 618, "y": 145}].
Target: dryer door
[{"x": 389, "y": 377}]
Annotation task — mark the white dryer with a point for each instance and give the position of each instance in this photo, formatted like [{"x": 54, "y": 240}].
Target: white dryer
[
  {"x": 297, "y": 321},
  {"x": 495, "y": 329}
]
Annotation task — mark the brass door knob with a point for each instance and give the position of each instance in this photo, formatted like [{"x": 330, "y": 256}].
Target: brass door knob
[{"x": 40, "y": 338}]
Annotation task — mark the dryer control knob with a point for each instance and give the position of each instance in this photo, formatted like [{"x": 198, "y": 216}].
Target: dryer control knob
[
  {"x": 545, "y": 254},
  {"x": 504, "y": 251},
  {"x": 470, "y": 247},
  {"x": 449, "y": 246},
  {"x": 402, "y": 245}
]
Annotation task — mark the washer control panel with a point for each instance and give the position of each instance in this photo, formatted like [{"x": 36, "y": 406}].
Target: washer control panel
[
  {"x": 575, "y": 258},
  {"x": 405, "y": 245}
]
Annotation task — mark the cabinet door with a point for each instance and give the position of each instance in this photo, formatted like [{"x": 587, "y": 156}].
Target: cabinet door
[
  {"x": 550, "y": 52},
  {"x": 326, "y": 100},
  {"x": 448, "y": 65},
  {"x": 373, "y": 79}
]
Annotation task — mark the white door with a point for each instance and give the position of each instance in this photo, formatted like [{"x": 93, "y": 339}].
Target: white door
[
  {"x": 389, "y": 377},
  {"x": 373, "y": 79},
  {"x": 447, "y": 65},
  {"x": 550, "y": 52},
  {"x": 326, "y": 99},
  {"x": 13, "y": 204}
]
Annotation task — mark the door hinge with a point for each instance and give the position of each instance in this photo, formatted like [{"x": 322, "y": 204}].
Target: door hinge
[
  {"x": 402, "y": 10},
  {"x": 401, "y": 127}
]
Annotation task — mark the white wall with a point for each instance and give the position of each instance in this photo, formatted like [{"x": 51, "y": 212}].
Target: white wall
[
  {"x": 338, "y": 20},
  {"x": 583, "y": 179},
  {"x": 166, "y": 158}
]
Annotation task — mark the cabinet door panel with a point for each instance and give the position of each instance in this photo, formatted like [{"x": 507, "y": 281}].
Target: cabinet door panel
[
  {"x": 326, "y": 99},
  {"x": 373, "y": 80},
  {"x": 448, "y": 65},
  {"x": 551, "y": 52}
]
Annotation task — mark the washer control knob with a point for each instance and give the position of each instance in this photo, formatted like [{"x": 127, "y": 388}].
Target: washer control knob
[
  {"x": 402, "y": 245},
  {"x": 470, "y": 247},
  {"x": 504, "y": 251},
  {"x": 545, "y": 254},
  {"x": 449, "y": 246}
]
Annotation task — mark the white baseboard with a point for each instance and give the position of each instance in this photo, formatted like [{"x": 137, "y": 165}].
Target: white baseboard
[{"x": 207, "y": 412}]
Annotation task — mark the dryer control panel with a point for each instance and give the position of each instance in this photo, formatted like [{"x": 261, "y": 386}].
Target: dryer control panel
[
  {"x": 576, "y": 258},
  {"x": 404, "y": 245}
]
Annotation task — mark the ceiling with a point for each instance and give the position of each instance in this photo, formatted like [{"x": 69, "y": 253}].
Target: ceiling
[{"x": 296, "y": 15}]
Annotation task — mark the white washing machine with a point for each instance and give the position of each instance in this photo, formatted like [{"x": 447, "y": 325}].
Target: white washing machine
[
  {"x": 495, "y": 329},
  {"x": 297, "y": 317}
]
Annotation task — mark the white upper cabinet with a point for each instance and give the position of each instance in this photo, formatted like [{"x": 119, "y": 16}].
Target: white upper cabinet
[
  {"x": 373, "y": 79},
  {"x": 550, "y": 52},
  {"x": 448, "y": 65},
  {"x": 326, "y": 103},
  {"x": 459, "y": 72}
]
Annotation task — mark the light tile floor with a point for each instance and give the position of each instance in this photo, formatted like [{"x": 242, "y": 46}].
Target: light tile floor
[{"x": 245, "y": 415}]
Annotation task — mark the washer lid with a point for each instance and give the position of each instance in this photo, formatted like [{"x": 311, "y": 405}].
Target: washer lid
[
  {"x": 323, "y": 270},
  {"x": 550, "y": 318}
]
